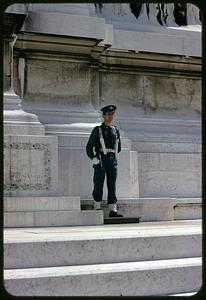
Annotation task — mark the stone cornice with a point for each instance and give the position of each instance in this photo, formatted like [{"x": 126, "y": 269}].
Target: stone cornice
[{"x": 93, "y": 52}]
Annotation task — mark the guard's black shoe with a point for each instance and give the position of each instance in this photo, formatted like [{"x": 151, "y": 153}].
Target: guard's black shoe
[{"x": 114, "y": 214}]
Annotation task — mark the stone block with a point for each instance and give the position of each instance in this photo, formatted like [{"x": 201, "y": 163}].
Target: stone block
[
  {"x": 65, "y": 24},
  {"x": 188, "y": 211},
  {"x": 75, "y": 8},
  {"x": 188, "y": 208},
  {"x": 153, "y": 209},
  {"x": 156, "y": 209},
  {"x": 147, "y": 95},
  {"x": 127, "y": 180},
  {"x": 41, "y": 203},
  {"x": 160, "y": 43},
  {"x": 72, "y": 87},
  {"x": 69, "y": 172},
  {"x": 144, "y": 278},
  {"x": 30, "y": 165},
  {"x": 169, "y": 174},
  {"x": 52, "y": 218},
  {"x": 169, "y": 147}
]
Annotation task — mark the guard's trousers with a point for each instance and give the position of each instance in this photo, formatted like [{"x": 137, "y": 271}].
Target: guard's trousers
[{"x": 108, "y": 167}]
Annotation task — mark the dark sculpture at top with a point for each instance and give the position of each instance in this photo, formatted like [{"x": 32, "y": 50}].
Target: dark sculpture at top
[{"x": 179, "y": 12}]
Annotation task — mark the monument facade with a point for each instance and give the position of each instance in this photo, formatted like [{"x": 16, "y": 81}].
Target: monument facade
[{"x": 72, "y": 59}]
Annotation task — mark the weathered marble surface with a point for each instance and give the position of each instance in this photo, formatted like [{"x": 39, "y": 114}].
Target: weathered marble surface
[
  {"x": 78, "y": 245},
  {"x": 146, "y": 94},
  {"x": 171, "y": 274},
  {"x": 62, "y": 24},
  {"x": 41, "y": 203},
  {"x": 132, "y": 278},
  {"x": 162, "y": 42},
  {"x": 52, "y": 218},
  {"x": 59, "y": 84},
  {"x": 154, "y": 208},
  {"x": 182, "y": 209},
  {"x": 166, "y": 147},
  {"x": 136, "y": 95},
  {"x": 170, "y": 174}
]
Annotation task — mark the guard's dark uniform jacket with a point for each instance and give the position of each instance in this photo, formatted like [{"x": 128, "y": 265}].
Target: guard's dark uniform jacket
[{"x": 108, "y": 162}]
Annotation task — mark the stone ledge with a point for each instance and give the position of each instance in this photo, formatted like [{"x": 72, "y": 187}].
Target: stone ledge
[
  {"x": 158, "y": 277},
  {"x": 14, "y": 204},
  {"x": 52, "y": 218},
  {"x": 153, "y": 209},
  {"x": 158, "y": 42},
  {"x": 23, "y": 248},
  {"x": 65, "y": 24},
  {"x": 169, "y": 40},
  {"x": 166, "y": 147},
  {"x": 89, "y": 50}
]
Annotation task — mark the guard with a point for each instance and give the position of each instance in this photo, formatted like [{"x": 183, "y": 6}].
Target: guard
[{"x": 107, "y": 143}]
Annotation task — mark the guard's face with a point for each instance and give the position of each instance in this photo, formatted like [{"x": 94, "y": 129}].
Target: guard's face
[{"x": 108, "y": 116}]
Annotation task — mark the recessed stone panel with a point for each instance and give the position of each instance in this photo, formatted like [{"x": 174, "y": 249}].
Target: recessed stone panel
[
  {"x": 58, "y": 83},
  {"x": 30, "y": 165},
  {"x": 169, "y": 174},
  {"x": 138, "y": 94}
]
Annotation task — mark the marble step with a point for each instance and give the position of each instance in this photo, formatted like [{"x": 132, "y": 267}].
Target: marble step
[
  {"x": 38, "y": 247},
  {"x": 41, "y": 203},
  {"x": 53, "y": 218},
  {"x": 160, "y": 277},
  {"x": 154, "y": 208}
]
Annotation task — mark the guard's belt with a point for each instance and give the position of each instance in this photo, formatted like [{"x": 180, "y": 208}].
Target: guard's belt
[
  {"x": 104, "y": 149},
  {"x": 108, "y": 150}
]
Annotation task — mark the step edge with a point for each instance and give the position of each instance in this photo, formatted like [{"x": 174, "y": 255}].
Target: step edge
[
  {"x": 104, "y": 237},
  {"x": 9, "y": 274}
]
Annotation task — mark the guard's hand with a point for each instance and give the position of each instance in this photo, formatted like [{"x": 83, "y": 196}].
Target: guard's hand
[{"x": 95, "y": 161}]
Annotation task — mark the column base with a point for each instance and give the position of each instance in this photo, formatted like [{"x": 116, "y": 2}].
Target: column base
[
  {"x": 16, "y": 120},
  {"x": 19, "y": 122}
]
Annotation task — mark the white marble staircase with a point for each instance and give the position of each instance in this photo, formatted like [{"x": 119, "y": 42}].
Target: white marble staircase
[{"x": 148, "y": 258}]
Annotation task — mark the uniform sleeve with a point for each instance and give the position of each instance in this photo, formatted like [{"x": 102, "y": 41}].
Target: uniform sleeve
[
  {"x": 119, "y": 144},
  {"x": 91, "y": 142}
]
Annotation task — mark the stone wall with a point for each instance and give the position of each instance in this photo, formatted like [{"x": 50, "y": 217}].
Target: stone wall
[
  {"x": 140, "y": 84},
  {"x": 159, "y": 108}
]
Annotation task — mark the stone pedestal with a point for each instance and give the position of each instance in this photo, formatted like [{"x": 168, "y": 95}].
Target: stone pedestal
[{"x": 30, "y": 158}]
